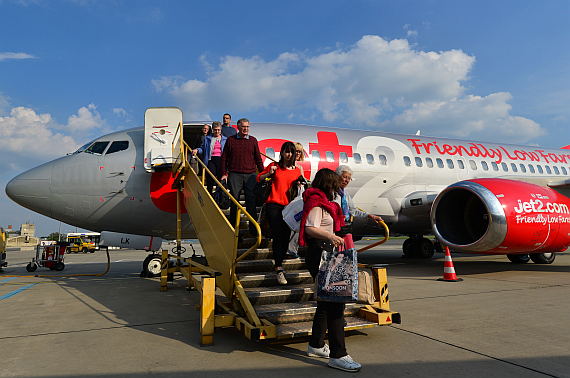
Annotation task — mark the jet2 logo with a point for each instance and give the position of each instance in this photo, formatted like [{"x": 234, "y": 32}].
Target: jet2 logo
[{"x": 543, "y": 212}]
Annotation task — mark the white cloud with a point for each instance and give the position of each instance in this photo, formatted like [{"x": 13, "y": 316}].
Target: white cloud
[
  {"x": 86, "y": 119},
  {"x": 363, "y": 85},
  {"x": 27, "y": 133},
  {"x": 471, "y": 116},
  {"x": 11, "y": 55},
  {"x": 4, "y": 104}
]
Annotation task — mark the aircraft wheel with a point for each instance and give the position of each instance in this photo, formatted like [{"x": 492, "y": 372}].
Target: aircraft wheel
[
  {"x": 59, "y": 266},
  {"x": 92, "y": 250},
  {"x": 151, "y": 265},
  {"x": 519, "y": 259},
  {"x": 31, "y": 267},
  {"x": 425, "y": 248},
  {"x": 542, "y": 258},
  {"x": 408, "y": 248}
]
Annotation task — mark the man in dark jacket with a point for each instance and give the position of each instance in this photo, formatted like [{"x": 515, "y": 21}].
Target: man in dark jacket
[{"x": 240, "y": 160}]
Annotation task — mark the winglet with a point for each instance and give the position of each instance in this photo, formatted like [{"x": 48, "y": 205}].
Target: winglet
[{"x": 566, "y": 147}]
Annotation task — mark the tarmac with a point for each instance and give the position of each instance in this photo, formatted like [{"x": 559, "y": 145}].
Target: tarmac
[{"x": 502, "y": 320}]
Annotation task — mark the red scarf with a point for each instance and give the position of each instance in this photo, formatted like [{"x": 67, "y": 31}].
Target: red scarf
[{"x": 314, "y": 197}]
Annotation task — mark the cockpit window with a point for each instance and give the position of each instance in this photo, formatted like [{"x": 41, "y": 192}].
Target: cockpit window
[
  {"x": 117, "y": 146},
  {"x": 97, "y": 148},
  {"x": 83, "y": 148}
]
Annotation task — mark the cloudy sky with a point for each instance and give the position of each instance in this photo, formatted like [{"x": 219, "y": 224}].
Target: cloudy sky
[{"x": 71, "y": 70}]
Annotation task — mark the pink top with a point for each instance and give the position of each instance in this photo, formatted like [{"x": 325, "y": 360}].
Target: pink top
[{"x": 217, "y": 149}]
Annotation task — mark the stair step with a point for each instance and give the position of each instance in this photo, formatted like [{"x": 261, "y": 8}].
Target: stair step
[
  {"x": 257, "y": 279},
  {"x": 258, "y": 254},
  {"x": 279, "y": 294},
  {"x": 249, "y": 266},
  {"x": 282, "y": 313},
  {"x": 302, "y": 329}
]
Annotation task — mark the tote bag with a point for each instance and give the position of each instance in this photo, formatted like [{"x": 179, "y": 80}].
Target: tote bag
[{"x": 337, "y": 280}]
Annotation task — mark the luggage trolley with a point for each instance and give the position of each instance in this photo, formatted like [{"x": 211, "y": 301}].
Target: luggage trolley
[{"x": 49, "y": 256}]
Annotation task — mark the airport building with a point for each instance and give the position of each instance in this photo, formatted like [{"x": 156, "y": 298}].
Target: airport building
[{"x": 23, "y": 238}]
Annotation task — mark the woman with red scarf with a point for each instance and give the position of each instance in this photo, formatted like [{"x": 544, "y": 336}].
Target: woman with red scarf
[
  {"x": 321, "y": 219},
  {"x": 284, "y": 174}
]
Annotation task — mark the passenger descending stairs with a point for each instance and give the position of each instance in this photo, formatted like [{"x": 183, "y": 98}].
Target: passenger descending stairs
[
  {"x": 290, "y": 307},
  {"x": 254, "y": 301}
]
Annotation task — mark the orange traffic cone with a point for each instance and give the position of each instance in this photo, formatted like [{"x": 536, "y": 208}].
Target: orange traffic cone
[{"x": 448, "y": 269}]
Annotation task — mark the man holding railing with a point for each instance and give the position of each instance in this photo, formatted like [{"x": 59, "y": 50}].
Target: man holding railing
[{"x": 240, "y": 160}]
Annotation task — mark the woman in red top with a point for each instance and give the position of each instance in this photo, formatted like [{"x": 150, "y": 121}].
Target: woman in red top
[{"x": 285, "y": 172}]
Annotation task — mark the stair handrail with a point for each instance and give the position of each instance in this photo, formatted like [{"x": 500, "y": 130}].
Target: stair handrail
[{"x": 386, "y": 236}]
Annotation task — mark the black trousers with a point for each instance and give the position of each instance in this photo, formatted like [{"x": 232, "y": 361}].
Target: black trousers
[
  {"x": 215, "y": 166},
  {"x": 280, "y": 232},
  {"x": 236, "y": 183},
  {"x": 329, "y": 315}
]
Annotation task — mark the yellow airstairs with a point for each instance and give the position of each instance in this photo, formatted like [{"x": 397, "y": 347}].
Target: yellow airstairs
[{"x": 239, "y": 286}]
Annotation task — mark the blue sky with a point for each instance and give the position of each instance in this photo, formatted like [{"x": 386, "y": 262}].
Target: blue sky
[{"x": 73, "y": 70}]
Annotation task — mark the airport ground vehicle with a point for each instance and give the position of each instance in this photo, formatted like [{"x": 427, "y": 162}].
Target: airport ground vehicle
[
  {"x": 49, "y": 256},
  {"x": 80, "y": 243}
]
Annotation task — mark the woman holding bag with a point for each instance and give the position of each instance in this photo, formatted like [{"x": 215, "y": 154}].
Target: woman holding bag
[
  {"x": 284, "y": 173},
  {"x": 321, "y": 218}
]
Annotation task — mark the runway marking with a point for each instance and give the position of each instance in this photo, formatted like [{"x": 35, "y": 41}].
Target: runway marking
[
  {"x": 16, "y": 291},
  {"x": 475, "y": 352},
  {"x": 9, "y": 279}
]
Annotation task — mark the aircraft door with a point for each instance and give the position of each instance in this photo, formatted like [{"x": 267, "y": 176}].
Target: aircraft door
[{"x": 160, "y": 126}]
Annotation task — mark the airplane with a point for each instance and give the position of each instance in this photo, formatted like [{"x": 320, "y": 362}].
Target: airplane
[{"x": 475, "y": 197}]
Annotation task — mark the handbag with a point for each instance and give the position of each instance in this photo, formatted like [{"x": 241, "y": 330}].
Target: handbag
[
  {"x": 221, "y": 198},
  {"x": 293, "y": 212},
  {"x": 365, "y": 288},
  {"x": 337, "y": 280},
  {"x": 262, "y": 188}
]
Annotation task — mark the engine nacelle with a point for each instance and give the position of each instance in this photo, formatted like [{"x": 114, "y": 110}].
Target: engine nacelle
[{"x": 498, "y": 216}]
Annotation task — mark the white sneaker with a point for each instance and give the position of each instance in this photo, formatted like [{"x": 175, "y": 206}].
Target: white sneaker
[
  {"x": 281, "y": 278},
  {"x": 345, "y": 363},
  {"x": 319, "y": 352}
]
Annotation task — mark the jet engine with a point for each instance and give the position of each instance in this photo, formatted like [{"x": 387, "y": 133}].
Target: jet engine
[{"x": 499, "y": 216}]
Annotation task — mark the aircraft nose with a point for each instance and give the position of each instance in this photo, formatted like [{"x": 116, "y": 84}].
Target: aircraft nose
[{"x": 31, "y": 189}]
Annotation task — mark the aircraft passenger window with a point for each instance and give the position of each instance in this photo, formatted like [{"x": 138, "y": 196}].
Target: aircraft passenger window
[
  {"x": 369, "y": 159},
  {"x": 484, "y": 165},
  {"x": 450, "y": 163},
  {"x": 439, "y": 162},
  {"x": 523, "y": 168},
  {"x": 531, "y": 168},
  {"x": 97, "y": 148},
  {"x": 539, "y": 169},
  {"x": 548, "y": 169},
  {"x": 556, "y": 170},
  {"x": 514, "y": 167},
  {"x": 460, "y": 164},
  {"x": 473, "y": 165},
  {"x": 382, "y": 159},
  {"x": 419, "y": 162},
  {"x": 407, "y": 161},
  {"x": 429, "y": 162},
  {"x": 357, "y": 158},
  {"x": 495, "y": 166},
  {"x": 270, "y": 152},
  {"x": 564, "y": 170},
  {"x": 343, "y": 157},
  {"x": 505, "y": 167},
  {"x": 330, "y": 156},
  {"x": 117, "y": 146},
  {"x": 316, "y": 155}
]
